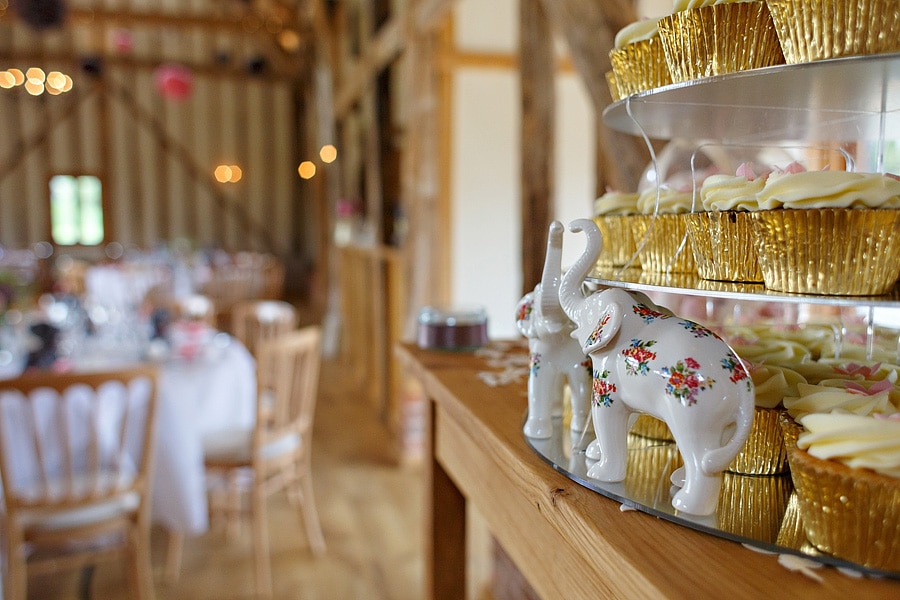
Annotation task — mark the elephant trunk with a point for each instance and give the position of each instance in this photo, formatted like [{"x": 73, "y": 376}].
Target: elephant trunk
[
  {"x": 550, "y": 307},
  {"x": 570, "y": 294}
]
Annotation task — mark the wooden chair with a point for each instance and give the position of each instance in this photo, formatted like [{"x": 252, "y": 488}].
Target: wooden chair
[
  {"x": 276, "y": 453},
  {"x": 254, "y": 321},
  {"x": 75, "y": 461}
]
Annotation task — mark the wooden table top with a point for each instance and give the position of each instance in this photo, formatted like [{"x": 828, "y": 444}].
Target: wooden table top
[{"x": 569, "y": 541}]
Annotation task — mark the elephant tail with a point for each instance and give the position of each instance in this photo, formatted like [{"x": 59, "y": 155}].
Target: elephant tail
[{"x": 717, "y": 460}]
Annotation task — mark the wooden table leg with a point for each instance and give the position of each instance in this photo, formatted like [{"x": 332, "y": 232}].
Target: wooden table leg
[{"x": 445, "y": 527}]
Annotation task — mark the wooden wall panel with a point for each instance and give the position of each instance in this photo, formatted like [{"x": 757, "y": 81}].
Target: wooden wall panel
[{"x": 160, "y": 154}]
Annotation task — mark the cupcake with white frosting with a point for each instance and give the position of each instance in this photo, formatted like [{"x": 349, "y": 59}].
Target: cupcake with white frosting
[
  {"x": 661, "y": 230},
  {"x": 613, "y": 213},
  {"x": 703, "y": 38},
  {"x": 829, "y": 232},
  {"x": 638, "y": 60}
]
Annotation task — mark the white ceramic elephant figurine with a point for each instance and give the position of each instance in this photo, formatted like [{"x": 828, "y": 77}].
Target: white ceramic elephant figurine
[
  {"x": 647, "y": 360},
  {"x": 554, "y": 355}
]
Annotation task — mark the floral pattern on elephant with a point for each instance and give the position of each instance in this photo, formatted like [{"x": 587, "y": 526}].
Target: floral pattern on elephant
[
  {"x": 597, "y": 332},
  {"x": 638, "y": 356},
  {"x": 588, "y": 365},
  {"x": 648, "y": 314},
  {"x": 534, "y": 362},
  {"x": 698, "y": 330},
  {"x": 524, "y": 311},
  {"x": 737, "y": 372},
  {"x": 685, "y": 381},
  {"x": 603, "y": 389}
]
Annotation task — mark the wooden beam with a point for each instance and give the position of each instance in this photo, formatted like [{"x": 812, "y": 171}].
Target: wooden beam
[
  {"x": 388, "y": 43},
  {"x": 537, "y": 68}
]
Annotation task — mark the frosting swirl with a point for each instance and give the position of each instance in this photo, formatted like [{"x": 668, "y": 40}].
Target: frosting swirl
[
  {"x": 771, "y": 384},
  {"x": 829, "y": 189},
  {"x": 638, "y": 31},
  {"x": 730, "y": 192},
  {"x": 827, "y": 398},
  {"x": 856, "y": 441},
  {"x": 616, "y": 203},
  {"x": 671, "y": 201}
]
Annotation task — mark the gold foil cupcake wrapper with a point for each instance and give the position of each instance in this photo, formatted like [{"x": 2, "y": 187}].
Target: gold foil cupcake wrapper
[
  {"x": 811, "y": 30},
  {"x": 753, "y": 507},
  {"x": 662, "y": 251},
  {"x": 650, "y": 427},
  {"x": 613, "y": 86},
  {"x": 853, "y": 514},
  {"x": 640, "y": 66},
  {"x": 843, "y": 252},
  {"x": 718, "y": 39},
  {"x": 618, "y": 241},
  {"x": 724, "y": 246},
  {"x": 764, "y": 452}
]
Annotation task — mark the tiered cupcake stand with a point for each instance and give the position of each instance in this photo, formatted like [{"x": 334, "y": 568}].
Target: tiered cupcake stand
[{"x": 845, "y": 100}]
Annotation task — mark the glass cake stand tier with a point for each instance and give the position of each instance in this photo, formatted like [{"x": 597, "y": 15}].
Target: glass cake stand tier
[
  {"x": 692, "y": 284},
  {"x": 758, "y": 511},
  {"x": 842, "y": 99}
]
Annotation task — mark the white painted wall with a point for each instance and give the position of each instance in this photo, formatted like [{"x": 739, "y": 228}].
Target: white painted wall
[{"x": 486, "y": 235}]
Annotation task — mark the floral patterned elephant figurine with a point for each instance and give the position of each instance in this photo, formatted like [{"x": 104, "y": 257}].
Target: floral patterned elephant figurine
[
  {"x": 554, "y": 355},
  {"x": 649, "y": 361}
]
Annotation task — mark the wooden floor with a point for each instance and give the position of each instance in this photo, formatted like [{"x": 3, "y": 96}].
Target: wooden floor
[{"x": 370, "y": 507}]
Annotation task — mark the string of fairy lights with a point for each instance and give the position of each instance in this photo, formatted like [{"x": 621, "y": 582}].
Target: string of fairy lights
[
  {"x": 36, "y": 81},
  {"x": 307, "y": 169}
]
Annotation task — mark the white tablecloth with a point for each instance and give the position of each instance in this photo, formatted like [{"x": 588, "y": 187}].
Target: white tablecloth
[{"x": 196, "y": 399}]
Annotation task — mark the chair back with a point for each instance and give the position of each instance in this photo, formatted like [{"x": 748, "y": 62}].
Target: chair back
[
  {"x": 196, "y": 307},
  {"x": 255, "y": 321},
  {"x": 68, "y": 441},
  {"x": 288, "y": 379}
]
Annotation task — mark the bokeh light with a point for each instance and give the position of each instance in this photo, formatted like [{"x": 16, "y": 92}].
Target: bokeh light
[
  {"x": 307, "y": 169},
  {"x": 328, "y": 153}
]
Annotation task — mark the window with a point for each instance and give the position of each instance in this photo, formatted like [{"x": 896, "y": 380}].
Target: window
[{"x": 76, "y": 210}]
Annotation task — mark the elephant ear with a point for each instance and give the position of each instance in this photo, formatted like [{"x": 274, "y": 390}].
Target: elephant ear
[
  {"x": 525, "y": 315},
  {"x": 605, "y": 324}
]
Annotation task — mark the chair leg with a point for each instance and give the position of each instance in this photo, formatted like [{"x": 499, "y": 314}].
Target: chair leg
[
  {"x": 261, "y": 543},
  {"x": 84, "y": 582},
  {"x": 311, "y": 515},
  {"x": 15, "y": 581},
  {"x": 140, "y": 570},
  {"x": 174, "y": 552}
]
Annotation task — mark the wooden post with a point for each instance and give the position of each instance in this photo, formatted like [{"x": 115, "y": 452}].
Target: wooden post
[
  {"x": 589, "y": 28},
  {"x": 537, "y": 65}
]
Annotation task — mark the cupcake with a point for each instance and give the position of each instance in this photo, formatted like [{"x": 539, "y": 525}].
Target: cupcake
[
  {"x": 811, "y": 30},
  {"x": 703, "y": 38},
  {"x": 764, "y": 452},
  {"x": 829, "y": 232},
  {"x": 753, "y": 507},
  {"x": 660, "y": 231},
  {"x": 846, "y": 472},
  {"x": 613, "y": 213},
  {"x": 721, "y": 230},
  {"x": 638, "y": 60}
]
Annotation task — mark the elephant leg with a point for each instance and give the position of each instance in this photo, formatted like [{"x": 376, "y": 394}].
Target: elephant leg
[
  {"x": 580, "y": 393},
  {"x": 611, "y": 429},
  {"x": 544, "y": 393},
  {"x": 699, "y": 494}
]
